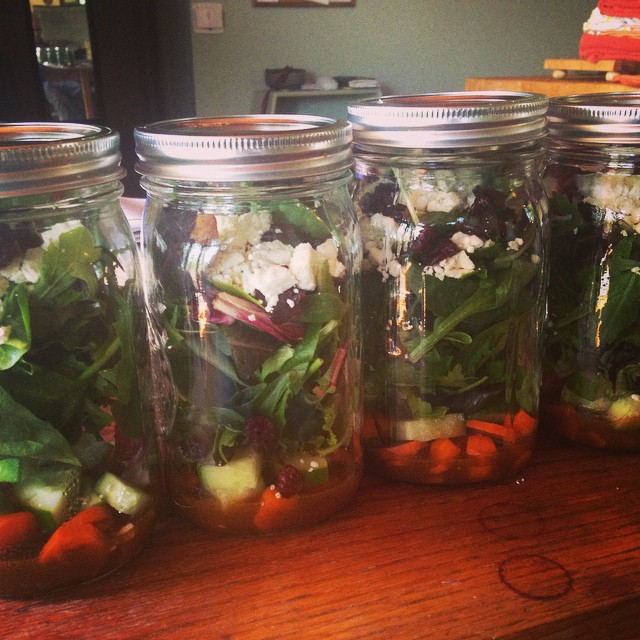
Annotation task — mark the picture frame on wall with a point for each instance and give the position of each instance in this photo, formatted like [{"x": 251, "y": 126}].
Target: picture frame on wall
[{"x": 304, "y": 3}]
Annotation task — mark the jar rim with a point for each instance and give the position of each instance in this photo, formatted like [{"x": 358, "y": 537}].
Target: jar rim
[
  {"x": 36, "y": 157},
  {"x": 448, "y": 120},
  {"x": 596, "y": 118},
  {"x": 243, "y": 147}
]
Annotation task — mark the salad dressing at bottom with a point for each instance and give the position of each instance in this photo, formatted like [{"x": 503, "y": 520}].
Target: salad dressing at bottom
[
  {"x": 253, "y": 256},
  {"x": 453, "y": 221}
]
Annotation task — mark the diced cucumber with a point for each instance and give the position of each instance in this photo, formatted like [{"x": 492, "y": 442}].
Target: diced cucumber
[
  {"x": 50, "y": 493},
  {"x": 10, "y": 469},
  {"x": 625, "y": 412},
  {"x": 123, "y": 497},
  {"x": 425, "y": 429},
  {"x": 314, "y": 469},
  {"x": 240, "y": 478}
]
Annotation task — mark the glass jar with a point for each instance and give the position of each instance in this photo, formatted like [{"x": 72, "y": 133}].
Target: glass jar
[
  {"x": 591, "y": 378},
  {"x": 76, "y": 488},
  {"x": 254, "y": 257},
  {"x": 453, "y": 222}
]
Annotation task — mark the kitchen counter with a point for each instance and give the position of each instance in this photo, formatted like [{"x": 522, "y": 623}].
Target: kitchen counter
[{"x": 551, "y": 554}]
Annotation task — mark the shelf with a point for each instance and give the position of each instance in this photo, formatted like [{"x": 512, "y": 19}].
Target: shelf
[
  {"x": 546, "y": 85},
  {"x": 273, "y": 97},
  {"x": 553, "y": 554}
]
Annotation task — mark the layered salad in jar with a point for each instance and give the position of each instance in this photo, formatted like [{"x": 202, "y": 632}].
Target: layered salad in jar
[
  {"x": 453, "y": 281},
  {"x": 257, "y": 306},
  {"x": 75, "y": 491},
  {"x": 591, "y": 381}
]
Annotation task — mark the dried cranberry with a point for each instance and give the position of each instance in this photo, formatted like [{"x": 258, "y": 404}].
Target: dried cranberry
[
  {"x": 384, "y": 199},
  {"x": 287, "y": 308},
  {"x": 431, "y": 247},
  {"x": 290, "y": 481},
  {"x": 489, "y": 213},
  {"x": 261, "y": 434}
]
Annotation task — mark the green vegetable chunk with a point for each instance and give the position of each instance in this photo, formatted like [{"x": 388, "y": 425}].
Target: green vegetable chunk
[
  {"x": 237, "y": 480},
  {"x": 50, "y": 493},
  {"x": 120, "y": 495}
]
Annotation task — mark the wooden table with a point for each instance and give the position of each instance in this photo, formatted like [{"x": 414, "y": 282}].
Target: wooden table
[
  {"x": 551, "y": 554},
  {"x": 547, "y": 85}
]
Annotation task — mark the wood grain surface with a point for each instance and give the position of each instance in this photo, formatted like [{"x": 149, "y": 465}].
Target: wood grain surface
[
  {"x": 548, "y": 86},
  {"x": 553, "y": 553}
]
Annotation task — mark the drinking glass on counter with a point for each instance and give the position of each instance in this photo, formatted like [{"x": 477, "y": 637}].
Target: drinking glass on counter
[
  {"x": 453, "y": 220},
  {"x": 253, "y": 257},
  {"x": 77, "y": 483}
]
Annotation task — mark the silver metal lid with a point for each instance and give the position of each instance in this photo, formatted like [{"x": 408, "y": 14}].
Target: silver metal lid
[
  {"x": 36, "y": 157},
  {"x": 243, "y": 148},
  {"x": 596, "y": 118},
  {"x": 448, "y": 120}
]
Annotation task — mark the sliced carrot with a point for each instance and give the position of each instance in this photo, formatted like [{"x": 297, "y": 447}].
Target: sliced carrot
[
  {"x": 275, "y": 512},
  {"x": 443, "y": 452},
  {"x": 444, "y": 449},
  {"x": 521, "y": 422},
  {"x": 409, "y": 448},
  {"x": 480, "y": 446},
  {"x": 81, "y": 541},
  {"x": 18, "y": 529},
  {"x": 490, "y": 428}
]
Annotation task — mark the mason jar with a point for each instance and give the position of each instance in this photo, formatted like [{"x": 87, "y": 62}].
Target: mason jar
[
  {"x": 253, "y": 258},
  {"x": 453, "y": 221},
  {"x": 591, "y": 379},
  {"x": 77, "y": 491}
]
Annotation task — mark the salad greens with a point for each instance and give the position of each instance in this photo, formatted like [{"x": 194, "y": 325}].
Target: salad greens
[
  {"x": 258, "y": 318},
  {"x": 464, "y": 297},
  {"x": 592, "y": 341},
  {"x": 68, "y": 351}
]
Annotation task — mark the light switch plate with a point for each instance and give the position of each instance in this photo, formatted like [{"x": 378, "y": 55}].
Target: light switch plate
[{"x": 206, "y": 17}]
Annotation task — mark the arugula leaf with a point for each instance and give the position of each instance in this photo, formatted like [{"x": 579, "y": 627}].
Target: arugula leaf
[{"x": 487, "y": 297}]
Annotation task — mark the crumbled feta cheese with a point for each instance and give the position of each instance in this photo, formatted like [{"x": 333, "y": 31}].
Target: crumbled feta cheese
[
  {"x": 617, "y": 195},
  {"x": 436, "y": 200},
  {"x": 304, "y": 266},
  {"x": 329, "y": 252},
  {"x": 514, "y": 245},
  {"x": 270, "y": 282},
  {"x": 52, "y": 234},
  {"x": 469, "y": 243},
  {"x": 265, "y": 254},
  {"x": 535, "y": 258},
  {"x": 25, "y": 268},
  {"x": 456, "y": 266},
  {"x": 268, "y": 268},
  {"x": 243, "y": 229}
]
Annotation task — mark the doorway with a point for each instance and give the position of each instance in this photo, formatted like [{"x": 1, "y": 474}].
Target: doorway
[{"x": 138, "y": 51}]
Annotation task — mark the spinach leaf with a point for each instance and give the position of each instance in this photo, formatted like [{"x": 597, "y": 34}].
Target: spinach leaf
[{"x": 22, "y": 435}]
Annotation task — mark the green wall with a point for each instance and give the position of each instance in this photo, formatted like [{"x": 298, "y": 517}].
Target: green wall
[{"x": 410, "y": 46}]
